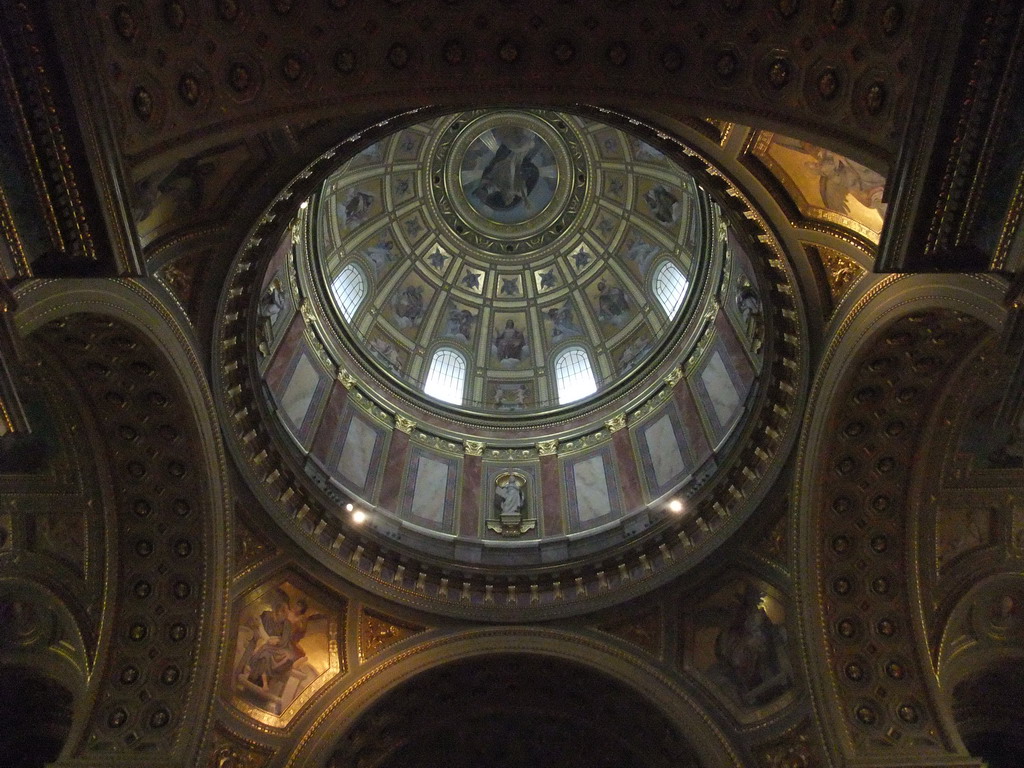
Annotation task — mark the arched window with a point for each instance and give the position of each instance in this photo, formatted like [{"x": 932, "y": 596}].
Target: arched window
[
  {"x": 446, "y": 378},
  {"x": 670, "y": 286},
  {"x": 574, "y": 376},
  {"x": 349, "y": 289}
]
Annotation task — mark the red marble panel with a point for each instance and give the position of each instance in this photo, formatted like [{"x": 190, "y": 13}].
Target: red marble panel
[
  {"x": 551, "y": 495},
  {"x": 394, "y": 469},
  {"x": 469, "y": 520},
  {"x": 285, "y": 354},
  {"x": 734, "y": 347},
  {"x": 327, "y": 432},
  {"x": 693, "y": 429},
  {"x": 629, "y": 474}
]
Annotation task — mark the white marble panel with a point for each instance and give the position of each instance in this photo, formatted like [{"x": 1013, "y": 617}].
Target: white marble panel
[
  {"x": 357, "y": 453},
  {"x": 591, "y": 488},
  {"x": 431, "y": 486},
  {"x": 663, "y": 446},
  {"x": 296, "y": 397},
  {"x": 721, "y": 390}
]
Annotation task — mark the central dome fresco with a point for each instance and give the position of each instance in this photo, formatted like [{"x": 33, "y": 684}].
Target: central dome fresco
[
  {"x": 508, "y": 350},
  {"x": 509, "y": 262}
]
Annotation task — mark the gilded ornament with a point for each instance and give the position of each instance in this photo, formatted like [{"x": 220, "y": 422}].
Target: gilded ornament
[
  {"x": 473, "y": 448},
  {"x": 617, "y": 422},
  {"x": 404, "y": 424},
  {"x": 547, "y": 447}
]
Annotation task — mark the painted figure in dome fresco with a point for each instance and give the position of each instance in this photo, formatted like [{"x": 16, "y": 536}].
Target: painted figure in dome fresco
[
  {"x": 509, "y": 343},
  {"x": 354, "y": 209},
  {"x": 562, "y": 325},
  {"x": 663, "y": 204},
  {"x": 612, "y": 304},
  {"x": 508, "y": 178},
  {"x": 642, "y": 253},
  {"x": 634, "y": 353},
  {"x": 380, "y": 255},
  {"x": 510, "y": 397},
  {"x": 841, "y": 177},
  {"x": 408, "y": 306},
  {"x": 387, "y": 352},
  {"x": 275, "y": 647},
  {"x": 751, "y": 650},
  {"x": 459, "y": 324}
]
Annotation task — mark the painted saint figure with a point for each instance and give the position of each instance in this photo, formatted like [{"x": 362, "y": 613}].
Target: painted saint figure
[
  {"x": 508, "y": 178},
  {"x": 663, "y": 204},
  {"x": 270, "y": 307},
  {"x": 408, "y": 306},
  {"x": 612, "y": 304},
  {"x": 509, "y": 343}
]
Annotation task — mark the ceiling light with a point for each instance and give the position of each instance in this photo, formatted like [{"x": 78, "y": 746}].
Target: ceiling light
[
  {"x": 675, "y": 506},
  {"x": 359, "y": 517}
]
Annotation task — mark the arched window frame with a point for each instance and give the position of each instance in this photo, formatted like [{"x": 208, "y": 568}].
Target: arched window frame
[
  {"x": 441, "y": 383},
  {"x": 349, "y": 293},
  {"x": 573, "y": 385},
  {"x": 669, "y": 298}
]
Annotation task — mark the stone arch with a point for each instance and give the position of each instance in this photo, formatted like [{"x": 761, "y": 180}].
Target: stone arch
[
  {"x": 322, "y": 732},
  {"x": 980, "y": 668},
  {"x": 862, "y": 631},
  {"x": 169, "y": 525}
]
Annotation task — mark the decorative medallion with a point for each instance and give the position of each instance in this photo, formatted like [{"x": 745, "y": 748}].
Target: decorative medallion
[{"x": 509, "y": 182}]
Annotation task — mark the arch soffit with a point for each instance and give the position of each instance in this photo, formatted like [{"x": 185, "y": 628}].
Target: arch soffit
[
  {"x": 137, "y": 306},
  {"x": 322, "y": 729},
  {"x": 878, "y": 305}
]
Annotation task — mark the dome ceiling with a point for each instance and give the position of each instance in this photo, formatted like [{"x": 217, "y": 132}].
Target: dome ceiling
[
  {"x": 508, "y": 239},
  {"x": 511, "y": 239}
]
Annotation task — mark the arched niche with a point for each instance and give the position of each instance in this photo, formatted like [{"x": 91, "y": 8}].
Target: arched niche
[
  {"x": 855, "y": 494},
  {"x": 506, "y": 657},
  {"x": 164, "y": 600}
]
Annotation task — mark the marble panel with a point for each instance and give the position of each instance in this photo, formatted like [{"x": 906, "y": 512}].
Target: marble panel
[
  {"x": 358, "y": 452},
  {"x": 302, "y": 385},
  {"x": 663, "y": 447},
  {"x": 722, "y": 392},
  {"x": 430, "y": 489},
  {"x": 591, "y": 489}
]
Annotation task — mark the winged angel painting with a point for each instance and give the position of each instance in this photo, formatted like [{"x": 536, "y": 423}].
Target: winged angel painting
[{"x": 283, "y": 647}]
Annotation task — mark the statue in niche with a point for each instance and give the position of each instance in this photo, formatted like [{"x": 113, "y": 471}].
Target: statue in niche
[
  {"x": 510, "y": 505},
  {"x": 270, "y": 308},
  {"x": 749, "y": 305}
]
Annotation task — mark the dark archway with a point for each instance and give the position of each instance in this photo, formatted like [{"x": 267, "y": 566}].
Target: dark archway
[
  {"x": 513, "y": 711},
  {"x": 989, "y": 710},
  {"x": 35, "y": 717}
]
